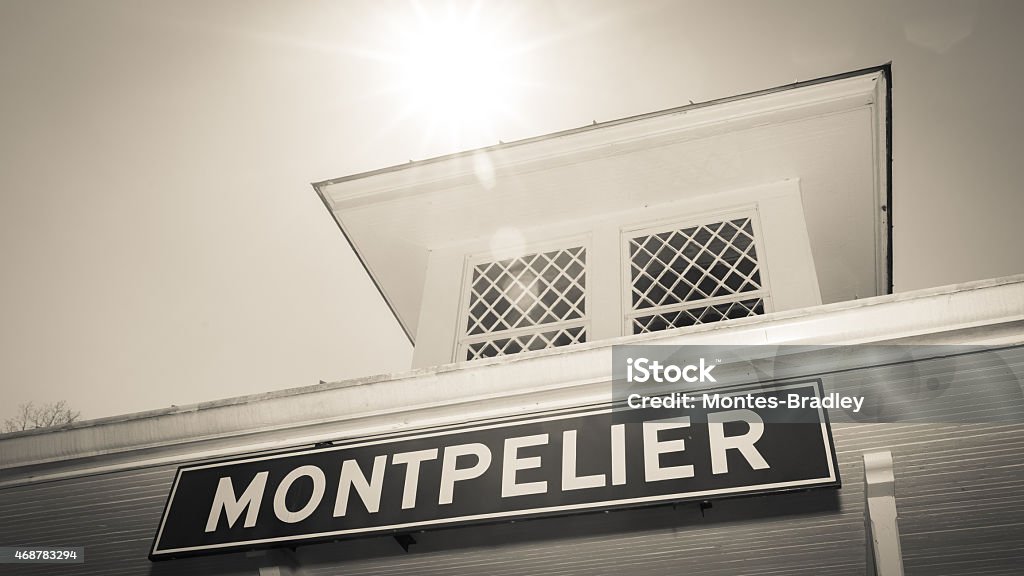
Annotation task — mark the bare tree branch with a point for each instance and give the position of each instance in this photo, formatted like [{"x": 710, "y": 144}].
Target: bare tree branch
[{"x": 48, "y": 415}]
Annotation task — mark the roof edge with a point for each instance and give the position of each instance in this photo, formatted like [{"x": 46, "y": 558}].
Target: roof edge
[{"x": 882, "y": 68}]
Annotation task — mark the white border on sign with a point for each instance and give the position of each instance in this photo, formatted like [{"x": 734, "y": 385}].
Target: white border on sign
[{"x": 814, "y": 384}]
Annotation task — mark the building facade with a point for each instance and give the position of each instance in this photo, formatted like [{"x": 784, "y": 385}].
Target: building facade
[{"x": 758, "y": 221}]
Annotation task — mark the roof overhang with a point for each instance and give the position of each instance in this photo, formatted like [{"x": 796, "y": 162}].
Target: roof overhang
[{"x": 830, "y": 133}]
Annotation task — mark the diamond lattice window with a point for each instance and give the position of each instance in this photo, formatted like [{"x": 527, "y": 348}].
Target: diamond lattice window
[
  {"x": 694, "y": 275},
  {"x": 526, "y": 303}
]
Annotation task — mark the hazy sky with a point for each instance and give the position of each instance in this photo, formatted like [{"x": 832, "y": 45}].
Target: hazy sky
[{"x": 160, "y": 240}]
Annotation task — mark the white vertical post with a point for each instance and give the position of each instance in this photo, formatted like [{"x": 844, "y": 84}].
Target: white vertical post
[
  {"x": 884, "y": 556},
  {"x": 604, "y": 282}
]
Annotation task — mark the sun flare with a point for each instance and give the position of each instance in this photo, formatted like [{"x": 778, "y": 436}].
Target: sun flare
[{"x": 459, "y": 72}]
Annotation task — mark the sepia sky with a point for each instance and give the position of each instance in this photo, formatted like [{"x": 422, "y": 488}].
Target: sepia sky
[{"x": 159, "y": 240}]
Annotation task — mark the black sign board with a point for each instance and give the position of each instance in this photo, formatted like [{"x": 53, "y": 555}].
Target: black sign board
[{"x": 547, "y": 465}]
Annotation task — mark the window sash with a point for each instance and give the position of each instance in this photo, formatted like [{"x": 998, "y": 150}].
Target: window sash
[
  {"x": 538, "y": 317},
  {"x": 633, "y": 310}
]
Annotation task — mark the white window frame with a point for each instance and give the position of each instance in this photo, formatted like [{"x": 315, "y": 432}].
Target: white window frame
[
  {"x": 464, "y": 340},
  {"x": 666, "y": 224}
]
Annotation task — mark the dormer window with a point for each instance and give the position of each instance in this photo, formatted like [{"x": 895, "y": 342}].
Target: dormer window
[{"x": 627, "y": 231}]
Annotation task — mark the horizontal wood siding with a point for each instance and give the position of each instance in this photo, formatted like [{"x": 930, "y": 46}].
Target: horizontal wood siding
[{"x": 960, "y": 496}]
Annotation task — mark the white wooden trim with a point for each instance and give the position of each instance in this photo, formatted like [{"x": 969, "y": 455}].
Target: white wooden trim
[
  {"x": 669, "y": 126},
  {"x": 990, "y": 311},
  {"x": 462, "y": 339},
  {"x": 667, "y": 223},
  {"x": 884, "y": 556},
  {"x": 881, "y": 166}
]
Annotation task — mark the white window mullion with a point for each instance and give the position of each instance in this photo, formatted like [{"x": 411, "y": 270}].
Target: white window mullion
[
  {"x": 692, "y": 273},
  {"x": 527, "y": 302}
]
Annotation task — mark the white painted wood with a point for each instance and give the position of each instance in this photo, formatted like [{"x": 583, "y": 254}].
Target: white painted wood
[
  {"x": 607, "y": 306},
  {"x": 885, "y": 557},
  {"x": 789, "y": 261},
  {"x": 497, "y": 252},
  {"x": 818, "y": 99},
  {"x": 829, "y": 136},
  {"x": 788, "y": 267},
  {"x": 881, "y": 168},
  {"x": 986, "y": 311},
  {"x": 441, "y": 321}
]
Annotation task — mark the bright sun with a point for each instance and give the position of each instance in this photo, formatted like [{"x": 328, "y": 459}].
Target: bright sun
[{"x": 459, "y": 72}]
